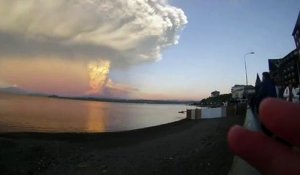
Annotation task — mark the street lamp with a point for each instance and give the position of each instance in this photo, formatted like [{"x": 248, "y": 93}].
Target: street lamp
[{"x": 246, "y": 65}]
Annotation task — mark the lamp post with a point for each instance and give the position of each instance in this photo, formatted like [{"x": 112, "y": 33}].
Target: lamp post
[{"x": 246, "y": 65}]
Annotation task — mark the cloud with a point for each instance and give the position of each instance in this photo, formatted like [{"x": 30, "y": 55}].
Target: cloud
[
  {"x": 4, "y": 84},
  {"x": 124, "y": 32},
  {"x": 117, "y": 90}
]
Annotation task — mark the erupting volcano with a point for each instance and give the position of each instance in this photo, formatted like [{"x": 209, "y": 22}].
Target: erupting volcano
[{"x": 98, "y": 74}]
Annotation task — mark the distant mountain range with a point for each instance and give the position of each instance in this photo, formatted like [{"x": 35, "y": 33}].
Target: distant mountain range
[
  {"x": 126, "y": 100},
  {"x": 19, "y": 91},
  {"x": 14, "y": 90}
]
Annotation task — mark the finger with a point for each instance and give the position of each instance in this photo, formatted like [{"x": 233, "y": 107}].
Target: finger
[
  {"x": 262, "y": 152},
  {"x": 282, "y": 118}
]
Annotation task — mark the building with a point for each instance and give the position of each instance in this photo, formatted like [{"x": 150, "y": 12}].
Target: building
[
  {"x": 296, "y": 35},
  {"x": 215, "y": 93},
  {"x": 296, "y": 32},
  {"x": 240, "y": 91},
  {"x": 237, "y": 91},
  {"x": 285, "y": 71}
]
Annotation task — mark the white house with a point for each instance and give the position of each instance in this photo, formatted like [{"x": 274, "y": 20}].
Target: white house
[{"x": 239, "y": 91}]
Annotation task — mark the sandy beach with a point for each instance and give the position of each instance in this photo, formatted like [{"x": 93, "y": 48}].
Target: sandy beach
[{"x": 183, "y": 147}]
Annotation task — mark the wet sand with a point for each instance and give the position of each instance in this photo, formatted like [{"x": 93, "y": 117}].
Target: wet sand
[{"x": 183, "y": 147}]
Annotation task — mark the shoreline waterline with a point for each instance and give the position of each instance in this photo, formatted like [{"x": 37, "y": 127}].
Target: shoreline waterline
[
  {"x": 66, "y": 134},
  {"x": 43, "y": 114},
  {"x": 183, "y": 147}
]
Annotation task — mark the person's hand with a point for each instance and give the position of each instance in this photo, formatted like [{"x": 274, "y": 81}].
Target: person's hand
[{"x": 266, "y": 154}]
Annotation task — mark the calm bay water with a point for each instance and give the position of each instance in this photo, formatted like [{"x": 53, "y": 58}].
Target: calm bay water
[{"x": 42, "y": 114}]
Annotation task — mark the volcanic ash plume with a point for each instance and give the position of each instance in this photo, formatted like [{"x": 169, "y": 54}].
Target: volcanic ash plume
[
  {"x": 125, "y": 32},
  {"x": 98, "y": 73}
]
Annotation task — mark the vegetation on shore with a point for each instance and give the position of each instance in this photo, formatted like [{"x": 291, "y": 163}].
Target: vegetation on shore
[{"x": 215, "y": 101}]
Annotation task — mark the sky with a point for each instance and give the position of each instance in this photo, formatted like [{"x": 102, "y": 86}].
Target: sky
[{"x": 155, "y": 49}]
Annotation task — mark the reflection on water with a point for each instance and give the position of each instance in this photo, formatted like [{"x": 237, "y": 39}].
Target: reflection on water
[
  {"x": 42, "y": 114},
  {"x": 96, "y": 117}
]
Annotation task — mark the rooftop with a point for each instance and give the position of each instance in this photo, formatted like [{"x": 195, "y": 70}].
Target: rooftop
[{"x": 297, "y": 25}]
